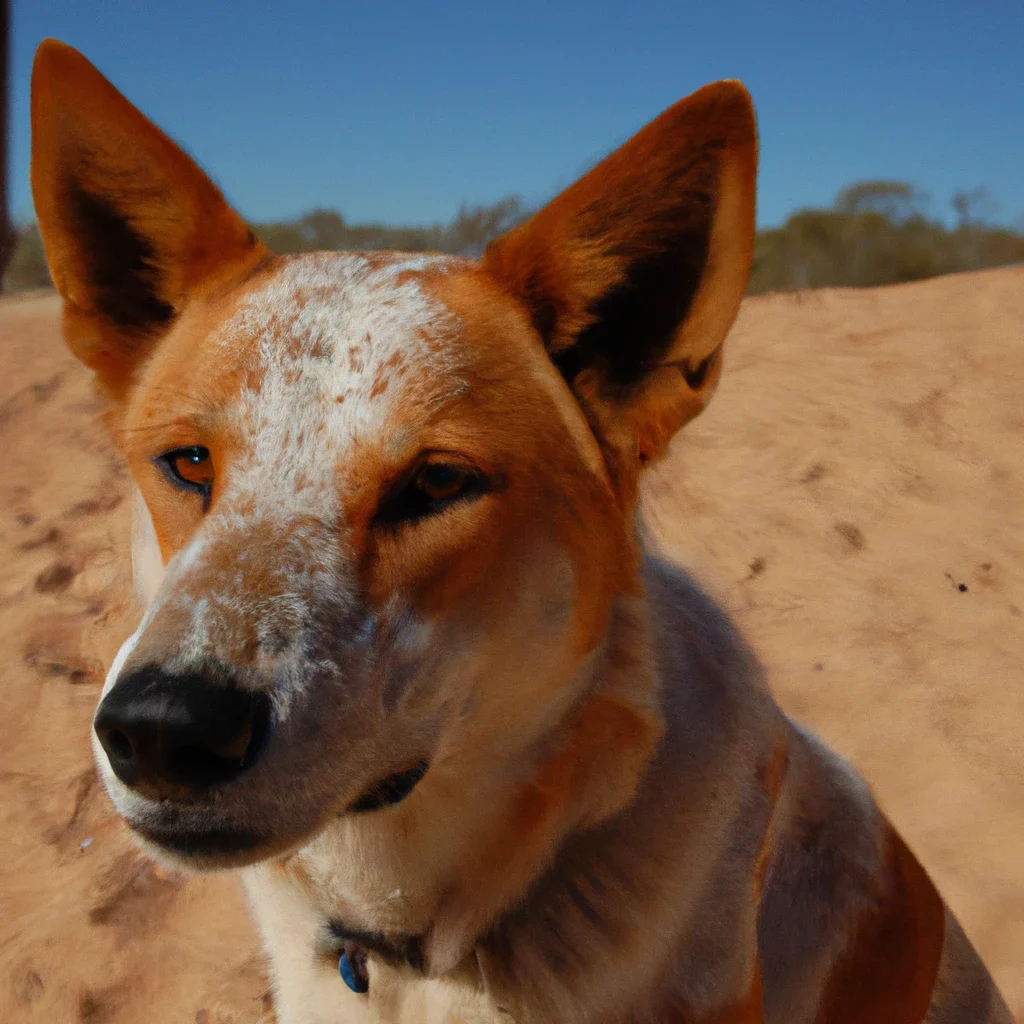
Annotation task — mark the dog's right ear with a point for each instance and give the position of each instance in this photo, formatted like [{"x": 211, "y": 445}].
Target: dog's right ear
[
  {"x": 633, "y": 276},
  {"x": 131, "y": 226}
]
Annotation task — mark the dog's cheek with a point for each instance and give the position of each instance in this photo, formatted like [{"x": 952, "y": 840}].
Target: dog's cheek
[{"x": 412, "y": 658}]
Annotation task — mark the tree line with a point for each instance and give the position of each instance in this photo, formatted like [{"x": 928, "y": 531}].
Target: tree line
[
  {"x": 880, "y": 232},
  {"x": 875, "y": 233}
]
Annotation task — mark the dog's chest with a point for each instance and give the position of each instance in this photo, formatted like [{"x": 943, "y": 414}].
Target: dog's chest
[{"x": 310, "y": 989}]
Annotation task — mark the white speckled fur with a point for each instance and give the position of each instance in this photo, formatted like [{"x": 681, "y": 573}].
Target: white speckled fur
[{"x": 347, "y": 318}]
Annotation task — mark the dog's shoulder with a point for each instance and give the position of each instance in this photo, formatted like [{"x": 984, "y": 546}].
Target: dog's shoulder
[{"x": 826, "y": 862}]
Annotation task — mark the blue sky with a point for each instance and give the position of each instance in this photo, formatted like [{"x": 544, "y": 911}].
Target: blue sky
[{"x": 400, "y": 111}]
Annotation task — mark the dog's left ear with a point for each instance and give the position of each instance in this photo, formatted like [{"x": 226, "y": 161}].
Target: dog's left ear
[
  {"x": 131, "y": 226},
  {"x": 633, "y": 275}
]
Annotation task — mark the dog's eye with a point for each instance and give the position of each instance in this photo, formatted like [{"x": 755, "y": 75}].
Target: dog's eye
[
  {"x": 190, "y": 469},
  {"x": 431, "y": 489},
  {"x": 441, "y": 482}
]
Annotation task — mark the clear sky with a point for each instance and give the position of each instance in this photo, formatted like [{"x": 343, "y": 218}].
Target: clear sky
[{"x": 400, "y": 111}]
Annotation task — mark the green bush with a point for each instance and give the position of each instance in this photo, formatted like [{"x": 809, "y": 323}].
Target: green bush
[
  {"x": 876, "y": 232},
  {"x": 27, "y": 268}
]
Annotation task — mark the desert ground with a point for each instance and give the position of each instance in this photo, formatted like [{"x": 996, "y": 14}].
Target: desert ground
[{"x": 854, "y": 495}]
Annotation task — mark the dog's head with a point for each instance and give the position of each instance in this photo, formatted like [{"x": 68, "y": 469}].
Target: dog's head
[{"x": 386, "y": 501}]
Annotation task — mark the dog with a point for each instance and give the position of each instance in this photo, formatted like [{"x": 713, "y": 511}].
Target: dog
[{"x": 405, "y": 664}]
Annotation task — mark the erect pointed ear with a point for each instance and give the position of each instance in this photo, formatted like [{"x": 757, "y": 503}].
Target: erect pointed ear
[
  {"x": 130, "y": 224},
  {"x": 633, "y": 275}
]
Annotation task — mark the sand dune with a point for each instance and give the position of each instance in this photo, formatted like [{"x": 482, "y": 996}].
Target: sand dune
[{"x": 855, "y": 495}]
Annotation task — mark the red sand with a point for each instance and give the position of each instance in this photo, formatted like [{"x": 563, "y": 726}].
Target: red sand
[{"x": 863, "y": 458}]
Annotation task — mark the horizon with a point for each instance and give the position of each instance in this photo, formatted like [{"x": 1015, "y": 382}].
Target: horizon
[{"x": 402, "y": 121}]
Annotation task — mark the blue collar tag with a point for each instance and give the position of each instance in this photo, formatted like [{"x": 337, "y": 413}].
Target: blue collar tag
[{"x": 352, "y": 968}]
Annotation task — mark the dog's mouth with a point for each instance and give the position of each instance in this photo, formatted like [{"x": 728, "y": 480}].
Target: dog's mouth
[
  {"x": 216, "y": 842},
  {"x": 390, "y": 790},
  {"x": 198, "y": 842}
]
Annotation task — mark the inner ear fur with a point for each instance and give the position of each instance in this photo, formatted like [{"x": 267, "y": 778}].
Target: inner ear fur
[
  {"x": 634, "y": 274},
  {"x": 130, "y": 224}
]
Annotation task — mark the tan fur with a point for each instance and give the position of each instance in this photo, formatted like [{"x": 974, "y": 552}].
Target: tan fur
[{"x": 617, "y": 824}]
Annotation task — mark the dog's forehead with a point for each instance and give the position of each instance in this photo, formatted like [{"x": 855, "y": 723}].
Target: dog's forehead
[
  {"x": 334, "y": 343},
  {"x": 340, "y": 326},
  {"x": 327, "y": 350}
]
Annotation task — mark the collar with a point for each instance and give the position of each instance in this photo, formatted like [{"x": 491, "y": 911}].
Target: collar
[{"x": 392, "y": 790}]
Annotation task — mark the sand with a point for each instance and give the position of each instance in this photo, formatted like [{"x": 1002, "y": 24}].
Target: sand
[{"x": 854, "y": 495}]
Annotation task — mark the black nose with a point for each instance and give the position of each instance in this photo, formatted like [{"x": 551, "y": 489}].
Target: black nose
[{"x": 165, "y": 733}]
